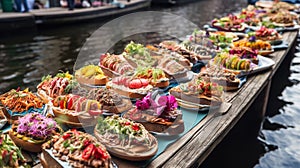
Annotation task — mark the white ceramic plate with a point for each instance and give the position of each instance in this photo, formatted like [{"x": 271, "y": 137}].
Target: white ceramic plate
[{"x": 264, "y": 63}]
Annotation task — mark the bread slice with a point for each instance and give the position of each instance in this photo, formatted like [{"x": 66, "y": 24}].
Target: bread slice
[
  {"x": 158, "y": 124},
  {"x": 195, "y": 98}
]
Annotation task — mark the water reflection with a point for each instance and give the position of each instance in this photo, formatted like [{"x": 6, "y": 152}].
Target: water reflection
[
  {"x": 25, "y": 59},
  {"x": 282, "y": 130}
]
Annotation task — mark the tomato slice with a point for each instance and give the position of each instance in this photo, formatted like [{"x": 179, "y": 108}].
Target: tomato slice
[
  {"x": 66, "y": 136},
  {"x": 99, "y": 153},
  {"x": 87, "y": 152},
  {"x": 70, "y": 103}
]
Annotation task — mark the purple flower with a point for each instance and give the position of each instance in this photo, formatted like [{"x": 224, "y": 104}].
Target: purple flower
[
  {"x": 172, "y": 103},
  {"x": 164, "y": 104},
  {"x": 36, "y": 125},
  {"x": 146, "y": 103},
  {"x": 167, "y": 103},
  {"x": 142, "y": 105},
  {"x": 252, "y": 39}
]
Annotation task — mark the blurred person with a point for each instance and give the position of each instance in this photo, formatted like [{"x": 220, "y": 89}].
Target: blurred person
[
  {"x": 19, "y": 4},
  {"x": 78, "y": 4},
  {"x": 29, "y": 4},
  {"x": 71, "y": 4},
  {"x": 63, "y": 3},
  {"x": 86, "y": 4},
  {"x": 96, "y": 3},
  {"x": 38, "y": 4}
]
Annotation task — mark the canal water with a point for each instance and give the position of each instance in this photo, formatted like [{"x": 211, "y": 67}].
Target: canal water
[{"x": 25, "y": 58}]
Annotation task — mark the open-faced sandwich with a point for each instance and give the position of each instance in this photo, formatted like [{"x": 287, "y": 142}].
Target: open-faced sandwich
[
  {"x": 75, "y": 149},
  {"x": 158, "y": 52},
  {"x": 229, "y": 23},
  {"x": 51, "y": 87},
  {"x": 155, "y": 76},
  {"x": 160, "y": 117},
  {"x": 220, "y": 38},
  {"x": 10, "y": 154},
  {"x": 199, "y": 91},
  {"x": 114, "y": 65},
  {"x": 250, "y": 16},
  {"x": 263, "y": 47},
  {"x": 75, "y": 110},
  {"x": 221, "y": 76},
  {"x": 283, "y": 19},
  {"x": 172, "y": 68},
  {"x": 126, "y": 139},
  {"x": 230, "y": 62},
  {"x": 129, "y": 86},
  {"x": 193, "y": 52},
  {"x": 138, "y": 55},
  {"x": 91, "y": 75},
  {"x": 275, "y": 4},
  {"x": 111, "y": 101},
  {"x": 16, "y": 103},
  {"x": 266, "y": 34},
  {"x": 32, "y": 130},
  {"x": 245, "y": 53}
]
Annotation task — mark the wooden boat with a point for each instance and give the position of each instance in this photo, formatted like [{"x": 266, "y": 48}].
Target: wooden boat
[{"x": 171, "y": 2}]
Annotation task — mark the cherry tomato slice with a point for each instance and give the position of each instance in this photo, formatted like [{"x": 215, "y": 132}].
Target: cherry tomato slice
[{"x": 87, "y": 152}]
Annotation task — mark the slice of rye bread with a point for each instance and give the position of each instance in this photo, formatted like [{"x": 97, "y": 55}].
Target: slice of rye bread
[
  {"x": 117, "y": 109},
  {"x": 161, "y": 84},
  {"x": 172, "y": 128},
  {"x": 199, "y": 99}
]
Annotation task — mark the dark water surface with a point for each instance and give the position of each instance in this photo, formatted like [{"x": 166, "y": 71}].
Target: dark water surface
[{"x": 26, "y": 58}]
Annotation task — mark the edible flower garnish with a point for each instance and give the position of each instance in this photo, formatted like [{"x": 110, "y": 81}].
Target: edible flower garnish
[
  {"x": 146, "y": 103},
  {"x": 252, "y": 39},
  {"x": 36, "y": 126},
  {"x": 164, "y": 104},
  {"x": 168, "y": 102}
]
